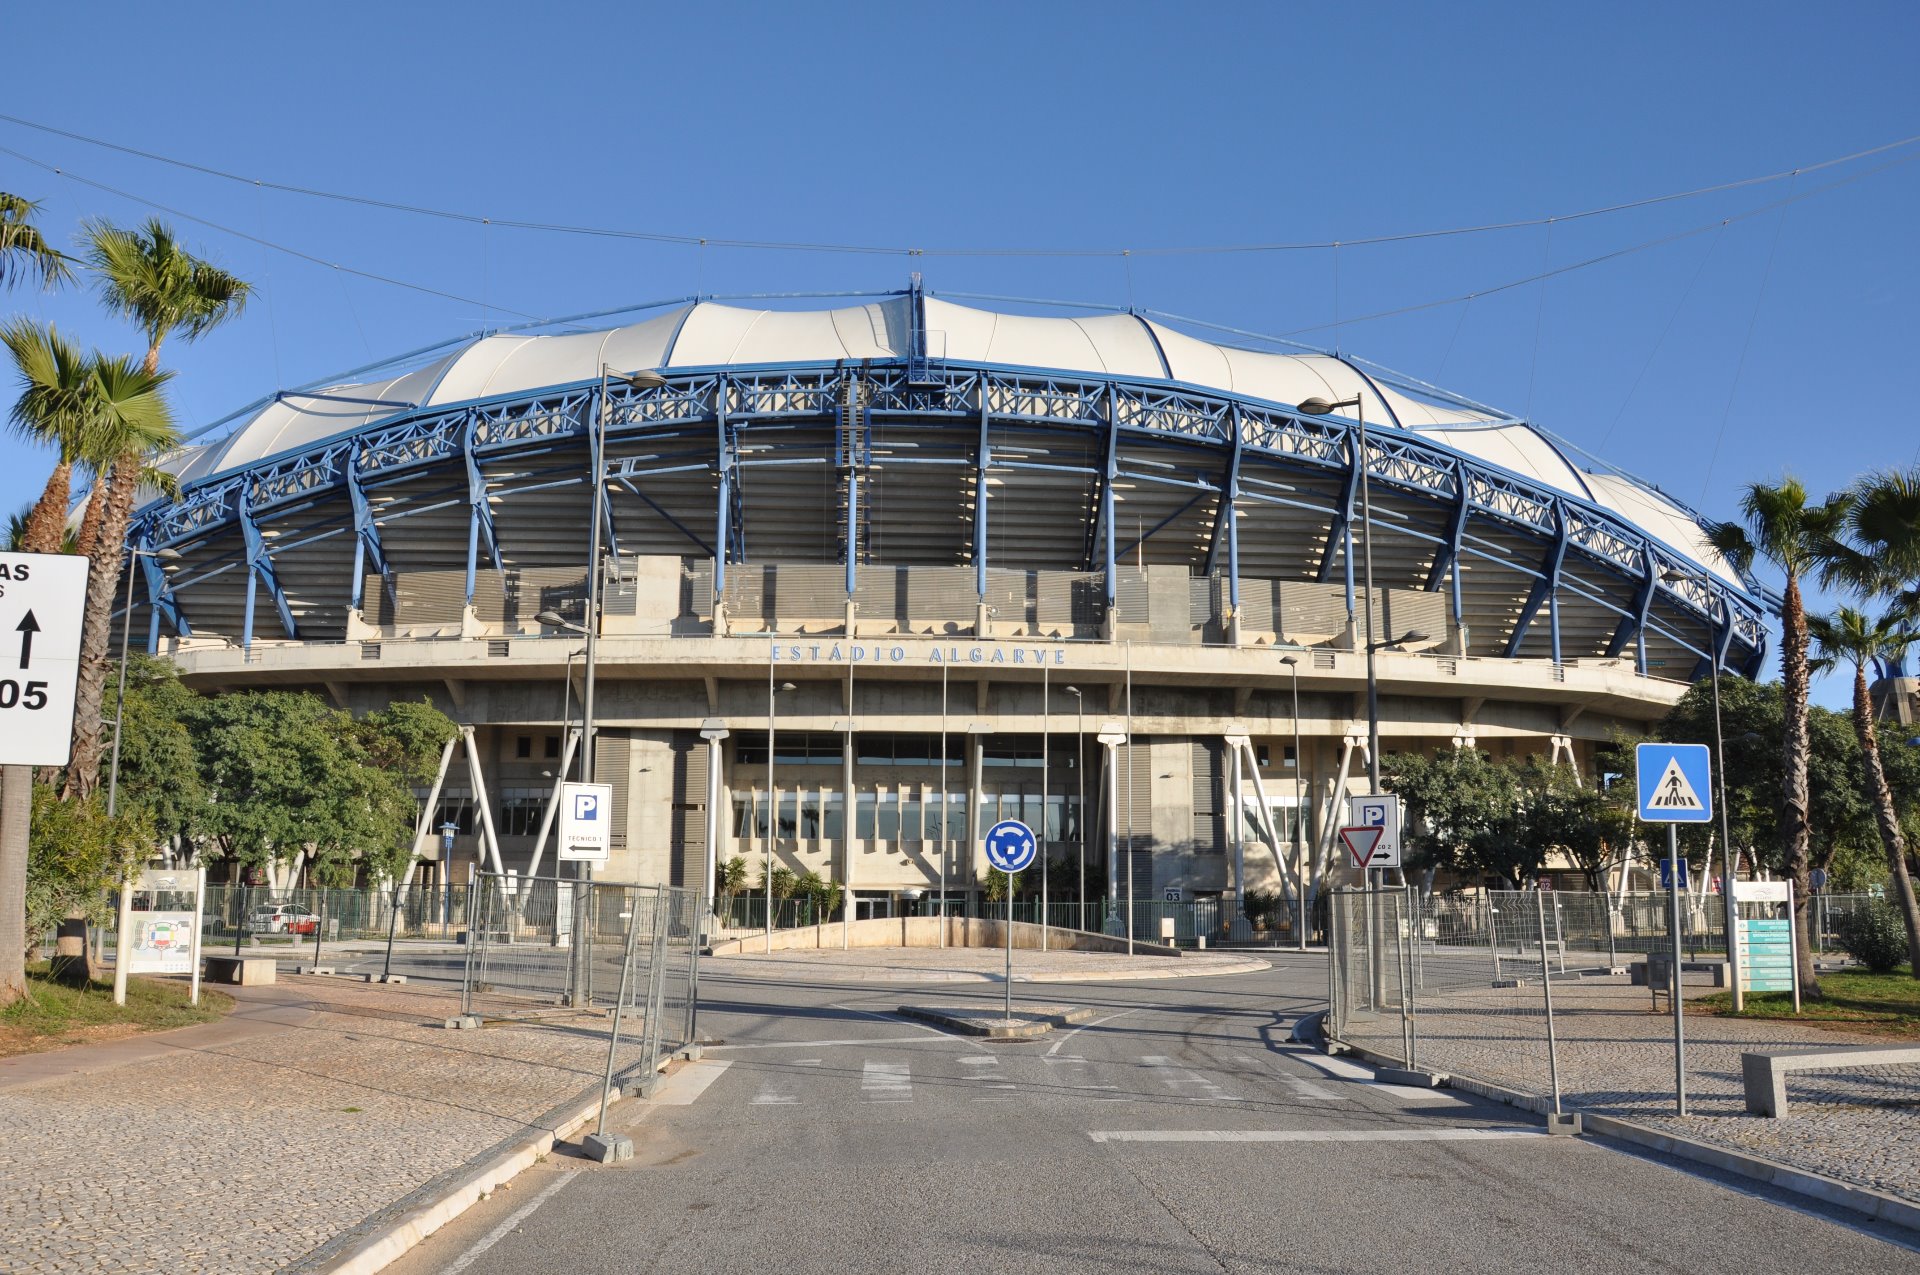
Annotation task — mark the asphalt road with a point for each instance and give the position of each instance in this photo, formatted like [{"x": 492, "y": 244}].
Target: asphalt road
[{"x": 1179, "y": 1131}]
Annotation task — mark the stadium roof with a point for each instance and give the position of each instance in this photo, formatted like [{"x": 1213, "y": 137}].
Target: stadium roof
[{"x": 709, "y": 334}]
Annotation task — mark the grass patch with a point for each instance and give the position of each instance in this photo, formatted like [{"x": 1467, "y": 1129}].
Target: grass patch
[
  {"x": 53, "y": 1015},
  {"x": 1849, "y": 1000}
]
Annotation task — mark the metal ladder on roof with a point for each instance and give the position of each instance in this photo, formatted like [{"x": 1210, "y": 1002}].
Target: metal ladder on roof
[{"x": 853, "y": 454}]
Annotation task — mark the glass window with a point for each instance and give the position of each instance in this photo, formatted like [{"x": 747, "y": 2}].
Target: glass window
[
  {"x": 521, "y": 810},
  {"x": 810, "y": 816},
  {"x": 456, "y": 807},
  {"x": 889, "y": 812},
  {"x": 553, "y": 746},
  {"x": 863, "y": 816},
  {"x": 789, "y": 814},
  {"x": 910, "y": 815},
  {"x": 833, "y": 815},
  {"x": 742, "y": 814}
]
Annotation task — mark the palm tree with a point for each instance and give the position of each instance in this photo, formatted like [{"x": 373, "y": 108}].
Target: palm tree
[
  {"x": 132, "y": 423},
  {"x": 1797, "y": 538},
  {"x": 24, "y": 251},
  {"x": 1848, "y": 636},
  {"x": 148, "y": 277},
  {"x": 55, "y": 407}
]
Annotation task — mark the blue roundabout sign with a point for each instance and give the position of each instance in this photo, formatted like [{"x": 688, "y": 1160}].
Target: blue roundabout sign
[{"x": 1011, "y": 845}]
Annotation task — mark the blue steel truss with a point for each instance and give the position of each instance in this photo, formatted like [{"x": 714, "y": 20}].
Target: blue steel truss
[{"x": 731, "y": 401}]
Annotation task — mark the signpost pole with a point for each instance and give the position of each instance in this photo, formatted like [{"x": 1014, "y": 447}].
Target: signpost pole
[
  {"x": 123, "y": 943},
  {"x": 1673, "y": 994},
  {"x": 1009, "y": 988},
  {"x": 199, "y": 918}
]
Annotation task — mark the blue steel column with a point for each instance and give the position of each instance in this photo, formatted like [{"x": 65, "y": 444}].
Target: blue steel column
[
  {"x": 1446, "y": 561},
  {"x": 1111, "y": 469},
  {"x": 1632, "y": 627},
  {"x": 1227, "y": 519},
  {"x": 160, "y": 599},
  {"x": 724, "y": 460},
  {"x": 260, "y": 571},
  {"x": 1547, "y": 586},
  {"x": 480, "y": 517},
  {"x": 983, "y": 456},
  {"x": 366, "y": 532}
]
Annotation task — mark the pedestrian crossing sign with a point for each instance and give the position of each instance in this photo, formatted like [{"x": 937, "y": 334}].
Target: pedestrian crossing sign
[{"x": 1675, "y": 783}]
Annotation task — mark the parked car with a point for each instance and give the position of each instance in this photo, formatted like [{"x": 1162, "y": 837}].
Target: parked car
[{"x": 282, "y": 918}]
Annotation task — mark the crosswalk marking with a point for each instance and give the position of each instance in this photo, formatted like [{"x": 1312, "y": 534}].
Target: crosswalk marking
[
  {"x": 972, "y": 1061},
  {"x": 886, "y": 1082},
  {"x": 1309, "y": 1135},
  {"x": 1180, "y": 1079}
]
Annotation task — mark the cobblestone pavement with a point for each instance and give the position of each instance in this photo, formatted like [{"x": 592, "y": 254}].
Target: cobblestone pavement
[
  {"x": 1616, "y": 1058},
  {"x": 247, "y": 1154},
  {"x": 973, "y": 965}
]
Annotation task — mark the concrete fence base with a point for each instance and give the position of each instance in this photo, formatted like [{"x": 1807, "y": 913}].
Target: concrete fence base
[{"x": 924, "y": 931}]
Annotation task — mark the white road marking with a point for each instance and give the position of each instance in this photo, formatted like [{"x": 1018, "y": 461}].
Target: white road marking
[
  {"x": 820, "y": 1044},
  {"x": 886, "y": 1082},
  {"x": 1304, "y": 1088},
  {"x": 773, "y": 1095},
  {"x": 514, "y": 1219},
  {"x": 1176, "y": 1077},
  {"x": 685, "y": 1086},
  {"x": 1309, "y": 1135},
  {"x": 1095, "y": 1023},
  {"x": 988, "y": 1061}
]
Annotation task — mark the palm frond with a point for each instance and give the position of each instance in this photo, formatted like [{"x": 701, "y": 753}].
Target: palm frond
[
  {"x": 147, "y": 276},
  {"x": 24, "y": 251}
]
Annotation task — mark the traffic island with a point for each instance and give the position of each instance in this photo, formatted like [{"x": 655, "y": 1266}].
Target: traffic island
[{"x": 991, "y": 1021}]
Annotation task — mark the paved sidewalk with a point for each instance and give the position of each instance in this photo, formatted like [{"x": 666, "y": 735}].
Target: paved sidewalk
[
  {"x": 974, "y": 965},
  {"x": 1616, "y": 1058},
  {"x": 245, "y": 1145}
]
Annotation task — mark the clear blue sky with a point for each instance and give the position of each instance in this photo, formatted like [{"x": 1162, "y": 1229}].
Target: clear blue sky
[{"x": 1776, "y": 342}]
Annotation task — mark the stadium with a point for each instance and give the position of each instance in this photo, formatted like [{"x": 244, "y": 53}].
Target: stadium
[{"x": 1088, "y": 569}]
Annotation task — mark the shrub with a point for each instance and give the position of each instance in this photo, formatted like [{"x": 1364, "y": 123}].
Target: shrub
[{"x": 1875, "y": 936}]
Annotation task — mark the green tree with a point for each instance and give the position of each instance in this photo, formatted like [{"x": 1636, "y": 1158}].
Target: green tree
[
  {"x": 1793, "y": 535},
  {"x": 77, "y": 854},
  {"x": 1459, "y": 805},
  {"x": 1557, "y": 812},
  {"x": 159, "y": 767},
  {"x": 147, "y": 276},
  {"x": 729, "y": 880},
  {"x": 24, "y": 251},
  {"x": 1849, "y": 636}
]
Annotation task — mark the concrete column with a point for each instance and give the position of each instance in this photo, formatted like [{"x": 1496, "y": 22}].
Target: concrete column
[{"x": 714, "y": 731}]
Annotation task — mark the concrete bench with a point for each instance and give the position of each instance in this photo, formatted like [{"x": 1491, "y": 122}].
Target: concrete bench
[
  {"x": 245, "y": 971},
  {"x": 1765, "y": 1075},
  {"x": 1654, "y": 971}
]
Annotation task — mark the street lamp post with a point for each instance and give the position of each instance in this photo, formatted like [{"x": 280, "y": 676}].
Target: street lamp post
[
  {"x": 1674, "y": 575},
  {"x": 773, "y": 800},
  {"x": 126, "y": 638},
  {"x": 1292, "y": 666},
  {"x": 1080, "y": 815}
]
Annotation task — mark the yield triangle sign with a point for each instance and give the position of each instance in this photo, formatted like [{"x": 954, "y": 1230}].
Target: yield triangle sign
[
  {"x": 1675, "y": 790},
  {"x": 1361, "y": 841}
]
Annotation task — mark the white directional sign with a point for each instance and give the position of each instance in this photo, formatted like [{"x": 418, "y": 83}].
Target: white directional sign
[
  {"x": 586, "y": 822},
  {"x": 1010, "y": 845},
  {"x": 43, "y": 598},
  {"x": 1382, "y": 811}
]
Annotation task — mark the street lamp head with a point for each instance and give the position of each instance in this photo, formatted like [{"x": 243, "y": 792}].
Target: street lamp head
[
  {"x": 554, "y": 620},
  {"x": 1411, "y": 636},
  {"x": 1317, "y": 406},
  {"x": 1289, "y": 662},
  {"x": 1074, "y": 691},
  {"x": 639, "y": 380},
  {"x": 783, "y": 688}
]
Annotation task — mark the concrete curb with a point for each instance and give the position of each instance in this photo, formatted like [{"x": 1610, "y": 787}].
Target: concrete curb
[
  {"x": 390, "y": 1242},
  {"x": 996, "y": 1029},
  {"x": 1878, "y": 1205},
  {"x": 1172, "y": 969}
]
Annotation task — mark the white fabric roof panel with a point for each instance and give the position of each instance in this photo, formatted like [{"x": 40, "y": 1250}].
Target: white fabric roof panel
[
  {"x": 1663, "y": 520},
  {"x": 712, "y": 334}
]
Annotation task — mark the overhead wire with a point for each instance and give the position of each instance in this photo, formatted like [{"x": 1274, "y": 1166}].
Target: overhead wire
[
  {"x": 70, "y": 175},
  {"x": 656, "y": 236}
]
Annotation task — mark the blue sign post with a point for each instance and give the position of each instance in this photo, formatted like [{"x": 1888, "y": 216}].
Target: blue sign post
[
  {"x": 1011, "y": 847},
  {"x": 1675, "y": 787}
]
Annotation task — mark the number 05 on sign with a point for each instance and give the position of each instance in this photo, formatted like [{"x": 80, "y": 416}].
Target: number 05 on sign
[{"x": 42, "y": 599}]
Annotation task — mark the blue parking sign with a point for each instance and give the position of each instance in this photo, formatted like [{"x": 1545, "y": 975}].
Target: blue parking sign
[{"x": 1675, "y": 782}]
